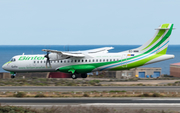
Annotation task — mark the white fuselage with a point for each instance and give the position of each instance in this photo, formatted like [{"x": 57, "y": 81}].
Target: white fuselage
[{"x": 37, "y": 63}]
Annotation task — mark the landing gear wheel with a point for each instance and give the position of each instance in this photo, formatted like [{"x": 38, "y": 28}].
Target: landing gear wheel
[
  {"x": 74, "y": 76},
  {"x": 84, "y": 75},
  {"x": 12, "y": 76}
]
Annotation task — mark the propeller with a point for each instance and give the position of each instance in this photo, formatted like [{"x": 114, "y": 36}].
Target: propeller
[{"x": 47, "y": 61}]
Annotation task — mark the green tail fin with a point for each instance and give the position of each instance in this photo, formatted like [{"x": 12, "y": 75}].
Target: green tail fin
[{"x": 159, "y": 42}]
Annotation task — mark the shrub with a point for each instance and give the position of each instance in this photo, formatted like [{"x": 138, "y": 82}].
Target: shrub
[
  {"x": 140, "y": 84},
  {"x": 157, "y": 95},
  {"x": 16, "y": 109},
  {"x": 145, "y": 95},
  {"x": 93, "y": 82},
  {"x": 85, "y": 95},
  {"x": 40, "y": 95},
  {"x": 20, "y": 94},
  {"x": 116, "y": 91}
]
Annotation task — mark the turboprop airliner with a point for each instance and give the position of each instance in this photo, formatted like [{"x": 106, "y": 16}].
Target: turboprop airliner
[{"x": 83, "y": 62}]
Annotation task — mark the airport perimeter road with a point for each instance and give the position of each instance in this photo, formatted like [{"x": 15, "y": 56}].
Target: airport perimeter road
[
  {"x": 91, "y": 88},
  {"x": 117, "y": 103}
]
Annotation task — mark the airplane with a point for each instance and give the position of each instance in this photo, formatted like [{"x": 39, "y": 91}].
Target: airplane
[{"x": 83, "y": 62}]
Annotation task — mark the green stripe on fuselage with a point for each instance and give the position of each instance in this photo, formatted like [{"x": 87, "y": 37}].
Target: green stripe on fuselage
[
  {"x": 140, "y": 62},
  {"x": 7, "y": 62}
]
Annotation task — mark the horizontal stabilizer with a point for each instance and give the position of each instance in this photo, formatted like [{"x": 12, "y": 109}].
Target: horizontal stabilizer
[{"x": 164, "y": 28}]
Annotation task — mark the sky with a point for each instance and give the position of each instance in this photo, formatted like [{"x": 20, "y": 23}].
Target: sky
[{"x": 85, "y": 22}]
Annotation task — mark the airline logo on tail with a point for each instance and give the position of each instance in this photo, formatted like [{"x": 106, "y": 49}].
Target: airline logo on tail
[{"x": 160, "y": 38}]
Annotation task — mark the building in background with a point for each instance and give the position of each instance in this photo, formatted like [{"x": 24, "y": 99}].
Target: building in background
[
  {"x": 139, "y": 72},
  {"x": 5, "y": 75},
  {"x": 175, "y": 69}
]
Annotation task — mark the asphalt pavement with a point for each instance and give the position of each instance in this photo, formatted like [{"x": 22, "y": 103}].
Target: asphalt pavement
[
  {"x": 89, "y": 88},
  {"x": 116, "y": 103}
]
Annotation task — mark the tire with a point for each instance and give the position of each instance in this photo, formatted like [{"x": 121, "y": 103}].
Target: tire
[
  {"x": 73, "y": 76},
  {"x": 84, "y": 75}
]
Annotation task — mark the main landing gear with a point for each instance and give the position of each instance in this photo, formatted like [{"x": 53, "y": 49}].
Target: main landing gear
[
  {"x": 74, "y": 76},
  {"x": 84, "y": 75}
]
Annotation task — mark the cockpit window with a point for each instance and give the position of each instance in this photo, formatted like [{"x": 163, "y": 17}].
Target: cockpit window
[{"x": 13, "y": 60}]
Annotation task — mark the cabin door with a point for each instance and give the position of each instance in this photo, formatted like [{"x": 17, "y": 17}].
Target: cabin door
[{"x": 124, "y": 60}]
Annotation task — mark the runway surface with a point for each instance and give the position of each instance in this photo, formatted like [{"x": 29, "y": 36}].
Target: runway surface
[
  {"x": 87, "y": 100},
  {"x": 117, "y": 103},
  {"x": 91, "y": 88}
]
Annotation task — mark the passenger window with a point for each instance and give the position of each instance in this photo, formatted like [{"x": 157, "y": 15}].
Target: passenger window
[
  {"x": 107, "y": 60},
  {"x": 93, "y": 60},
  {"x": 96, "y": 60},
  {"x": 85, "y": 60},
  {"x": 103, "y": 60},
  {"x": 78, "y": 60},
  {"x": 82, "y": 60},
  {"x": 64, "y": 61},
  {"x": 41, "y": 61},
  {"x": 37, "y": 61},
  {"x": 61, "y": 61},
  {"x": 89, "y": 60},
  {"x": 100, "y": 60},
  {"x": 110, "y": 59},
  {"x": 34, "y": 61},
  {"x": 68, "y": 61},
  {"x": 74, "y": 60},
  {"x": 114, "y": 60}
]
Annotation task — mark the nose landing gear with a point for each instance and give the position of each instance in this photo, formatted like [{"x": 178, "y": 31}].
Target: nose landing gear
[{"x": 13, "y": 74}]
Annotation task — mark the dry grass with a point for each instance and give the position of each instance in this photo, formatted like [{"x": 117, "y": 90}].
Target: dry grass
[
  {"x": 77, "y": 109},
  {"x": 92, "y": 94},
  {"x": 78, "y": 82}
]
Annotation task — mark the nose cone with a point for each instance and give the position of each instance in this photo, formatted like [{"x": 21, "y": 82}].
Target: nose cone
[{"x": 4, "y": 66}]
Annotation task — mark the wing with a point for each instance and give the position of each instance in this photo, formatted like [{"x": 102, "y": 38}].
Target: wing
[
  {"x": 58, "y": 55},
  {"x": 98, "y": 50}
]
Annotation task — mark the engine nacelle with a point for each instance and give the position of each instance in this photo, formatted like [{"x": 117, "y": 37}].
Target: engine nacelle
[{"x": 56, "y": 56}]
